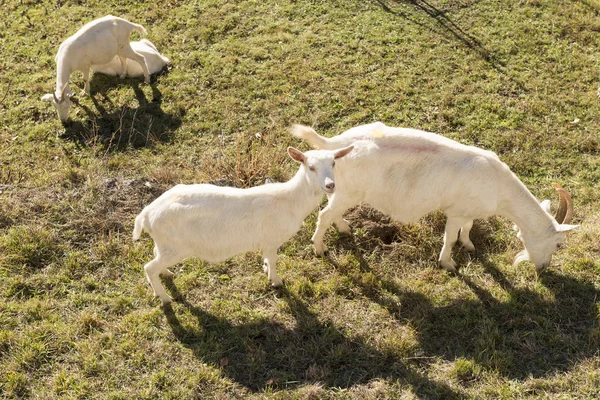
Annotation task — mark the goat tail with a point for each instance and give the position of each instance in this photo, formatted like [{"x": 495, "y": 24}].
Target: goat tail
[
  {"x": 140, "y": 29},
  {"x": 313, "y": 138},
  {"x": 124, "y": 24},
  {"x": 141, "y": 224}
]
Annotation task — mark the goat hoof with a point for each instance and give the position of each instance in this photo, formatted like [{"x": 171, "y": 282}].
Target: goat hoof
[
  {"x": 449, "y": 266},
  {"x": 470, "y": 247},
  {"x": 540, "y": 270},
  {"x": 277, "y": 282},
  {"x": 343, "y": 227},
  {"x": 166, "y": 300},
  {"x": 321, "y": 250}
]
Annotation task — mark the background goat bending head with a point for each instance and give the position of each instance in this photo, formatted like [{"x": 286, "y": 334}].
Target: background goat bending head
[
  {"x": 215, "y": 223},
  {"x": 407, "y": 173},
  {"x": 96, "y": 43},
  {"x": 154, "y": 61}
]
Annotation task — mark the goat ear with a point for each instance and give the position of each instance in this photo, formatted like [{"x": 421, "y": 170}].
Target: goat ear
[
  {"x": 546, "y": 205},
  {"x": 47, "y": 97},
  {"x": 341, "y": 153},
  {"x": 296, "y": 155},
  {"x": 567, "y": 227},
  {"x": 518, "y": 230},
  {"x": 520, "y": 257}
]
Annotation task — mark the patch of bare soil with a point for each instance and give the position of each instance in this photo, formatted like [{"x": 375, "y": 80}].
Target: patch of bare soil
[{"x": 373, "y": 223}]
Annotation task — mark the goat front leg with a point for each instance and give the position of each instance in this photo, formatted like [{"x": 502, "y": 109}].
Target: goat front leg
[
  {"x": 270, "y": 267},
  {"x": 340, "y": 223},
  {"x": 332, "y": 213},
  {"x": 86, "y": 81},
  {"x": 453, "y": 225},
  {"x": 123, "y": 73},
  {"x": 324, "y": 221}
]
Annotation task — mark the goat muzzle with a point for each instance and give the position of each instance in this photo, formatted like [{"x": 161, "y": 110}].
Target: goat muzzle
[{"x": 564, "y": 214}]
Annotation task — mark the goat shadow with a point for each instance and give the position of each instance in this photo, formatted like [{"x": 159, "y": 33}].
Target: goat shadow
[
  {"x": 446, "y": 27},
  {"x": 121, "y": 127},
  {"x": 526, "y": 335},
  {"x": 268, "y": 354}
]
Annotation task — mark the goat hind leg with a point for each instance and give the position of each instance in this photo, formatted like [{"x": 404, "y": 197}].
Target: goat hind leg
[
  {"x": 464, "y": 236},
  {"x": 271, "y": 268},
  {"x": 165, "y": 272},
  {"x": 128, "y": 52},
  {"x": 152, "y": 270},
  {"x": 341, "y": 224}
]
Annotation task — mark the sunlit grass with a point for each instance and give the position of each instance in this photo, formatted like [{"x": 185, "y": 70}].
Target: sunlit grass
[{"x": 376, "y": 318}]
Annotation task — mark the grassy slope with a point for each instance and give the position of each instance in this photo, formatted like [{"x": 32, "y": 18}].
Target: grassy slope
[{"x": 376, "y": 318}]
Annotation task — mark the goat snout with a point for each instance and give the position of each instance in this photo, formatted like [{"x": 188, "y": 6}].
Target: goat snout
[{"x": 329, "y": 184}]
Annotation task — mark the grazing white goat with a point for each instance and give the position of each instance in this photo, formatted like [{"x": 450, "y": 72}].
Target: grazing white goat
[
  {"x": 215, "y": 223},
  {"x": 96, "y": 43},
  {"x": 154, "y": 61},
  {"x": 407, "y": 173}
]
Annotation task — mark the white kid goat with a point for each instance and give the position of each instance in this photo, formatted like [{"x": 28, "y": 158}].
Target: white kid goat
[
  {"x": 407, "y": 173},
  {"x": 96, "y": 43},
  {"x": 215, "y": 223},
  {"x": 154, "y": 61}
]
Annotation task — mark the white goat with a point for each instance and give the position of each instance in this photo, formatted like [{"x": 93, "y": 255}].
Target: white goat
[
  {"x": 215, "y": 223},
  {"x": 96, "y": 43},
  {"x": 154, "y": 61},
  {"x": 407, "y": 173}
]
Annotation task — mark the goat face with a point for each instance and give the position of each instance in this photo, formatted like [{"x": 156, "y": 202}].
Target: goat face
[
  {"x": 319, "y": 165},
  {"x": 540, "y": 250},
  {"x": 62, "y": 106},
  {"x": 61, "y": 103}
]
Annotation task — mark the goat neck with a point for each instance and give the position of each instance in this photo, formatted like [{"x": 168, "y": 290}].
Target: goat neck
[
  {"x": 301, "y": 192},
  {"x": 63, "y": 74},
  {"x": 521, "y": 207}
]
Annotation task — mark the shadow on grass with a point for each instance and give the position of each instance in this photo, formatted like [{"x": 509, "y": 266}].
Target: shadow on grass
[
  {"x": 120, "y": 127},
  {"x": 449, "y": 28},
  {"x": 527, "y": 335},
  {"x": 268, "y": 354}
]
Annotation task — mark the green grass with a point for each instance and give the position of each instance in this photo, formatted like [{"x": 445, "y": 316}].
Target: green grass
[{"x": 374, "y": 319}]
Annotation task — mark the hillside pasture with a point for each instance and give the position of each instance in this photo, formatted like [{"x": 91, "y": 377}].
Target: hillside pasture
[{"x": 374, "y": 318}]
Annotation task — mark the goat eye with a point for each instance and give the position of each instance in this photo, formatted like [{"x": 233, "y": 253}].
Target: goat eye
[
  {"x": 333, "y": 164},
  {"x": 312, "y": 168}
]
